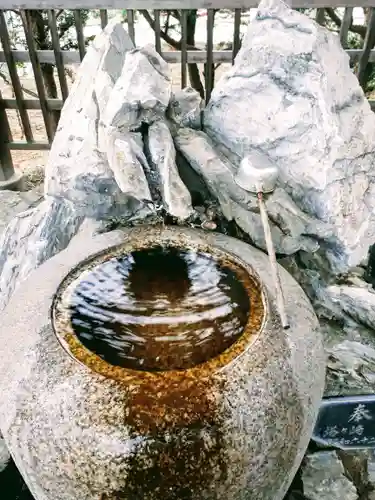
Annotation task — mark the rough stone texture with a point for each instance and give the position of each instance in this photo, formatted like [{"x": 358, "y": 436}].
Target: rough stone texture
[
  {"x": 34, "y": 174},
  {"x": 282, "y": 97},
  {"x": 55, "y": 412},
  {"x": 351, "y": 369},
  {"x": 98, "y": 157},
  {"x": 96, "y": 161},
  {"x": 175, "y": 195},
  {"x": 345, "y": 315},
  {"x": 127, "y": 160},
  {"x": 185, "y": 108},
  {"x": 142, "y": 91},
  {"x": 31, "y": 238},
  {"x": 77, "y": 168},
  {"x": 292, "y": 230},
  {"x": 13, "y": 202},
  {"x": 324, "y": 479},
  {"x": 357, "y": 302},
  {"x": 371, "y": 466},
  {"x": 355, "y": 464}
]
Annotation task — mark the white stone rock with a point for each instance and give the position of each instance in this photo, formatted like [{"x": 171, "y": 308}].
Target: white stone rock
[
  {"x": 126, "y": 163},
  {"x": 14, "y": 202},
  {"x": 371, "y": 471},
  {"x": 324, "y": 479},
  {"x": 104, "y": 59},
  {"x": 185, "y": 108},
  {"x": 77, "y": 168},
  {"x": 356, "y": 301},
  {"x": 175, "y": 195},
  {"x": 292, "y": 95},
  {"x": 141, "y": 93},
  {"x": 353, "y": 355},
  {"x": 31, "y": 238},
  {"x": 292, "y": 230},
  {"x": 97, "y": 162},
  {"x": 350, "y": 369}
]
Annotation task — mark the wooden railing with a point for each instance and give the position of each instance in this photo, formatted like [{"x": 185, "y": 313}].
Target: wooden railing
[{"x": 185, "y": 55}]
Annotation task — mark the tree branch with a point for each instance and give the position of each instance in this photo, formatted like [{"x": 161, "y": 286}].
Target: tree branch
[
  {"x": 65, "y": 26},
  {"x": 164, "y": 35},
  {"x": 167, "y": 21},
  {"x": 27, "y": 91},
  {"x": 354, "y": 28},
  {"x": 176, "y": 14}
]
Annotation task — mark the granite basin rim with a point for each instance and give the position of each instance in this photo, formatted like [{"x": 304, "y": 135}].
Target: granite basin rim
[{"x": 147, "y": 237}]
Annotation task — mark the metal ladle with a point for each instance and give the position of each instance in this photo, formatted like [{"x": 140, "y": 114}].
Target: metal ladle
[{"x": 257, "y": 175}]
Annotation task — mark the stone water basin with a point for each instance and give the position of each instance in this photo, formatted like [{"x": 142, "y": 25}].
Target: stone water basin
[{"x": 150, "y": 364}]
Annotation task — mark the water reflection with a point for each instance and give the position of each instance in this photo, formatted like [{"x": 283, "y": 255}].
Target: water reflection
[{"x": 159, "y": 309}]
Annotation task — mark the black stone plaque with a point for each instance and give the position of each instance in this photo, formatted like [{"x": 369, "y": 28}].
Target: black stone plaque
[{"x": 346, "y": 422}]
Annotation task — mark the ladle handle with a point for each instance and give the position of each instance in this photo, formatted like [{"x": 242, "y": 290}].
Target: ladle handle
[{"x": 274, "y": 269}]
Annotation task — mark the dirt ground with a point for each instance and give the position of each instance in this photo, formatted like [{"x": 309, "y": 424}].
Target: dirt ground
[{"x": 32, "y": 163}]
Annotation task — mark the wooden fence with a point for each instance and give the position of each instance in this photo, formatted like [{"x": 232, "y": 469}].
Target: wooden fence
[{"x": 184, "y": 55}]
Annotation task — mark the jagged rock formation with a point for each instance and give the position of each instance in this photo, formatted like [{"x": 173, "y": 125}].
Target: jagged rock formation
[{"x": 292, "y": 96}]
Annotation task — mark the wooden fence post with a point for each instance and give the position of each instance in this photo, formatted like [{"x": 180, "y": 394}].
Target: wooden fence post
[
  {"x": 6, "y": 164},
  {"x": 368, "y": 44},
  {"x": 9, "y": 179}
]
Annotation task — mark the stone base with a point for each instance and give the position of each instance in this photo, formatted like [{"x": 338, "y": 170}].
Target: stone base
[{"x": 15, "y": 183}]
